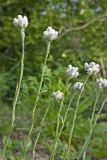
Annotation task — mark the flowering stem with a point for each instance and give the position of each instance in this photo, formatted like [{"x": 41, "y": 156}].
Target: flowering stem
[
  {"x": 18, "y": 86},
  {"x": 38, "y": 93},
  {"x": 65, "y": 116},
  {"x": 74, "y": 119},
  {"x": 58, "y": 122},
  {"x": 39, "y": 90},
  {"x": 43, "y": 120},
  {"x": 20, "y": 80},
  {"x": 94, "y": 108},
  {"x": 91, "y": 131},
  {"x": 92, "y": 118},
  {"x": 84, "y": 155}
]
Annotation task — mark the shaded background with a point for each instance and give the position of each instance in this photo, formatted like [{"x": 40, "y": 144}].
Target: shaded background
[{"x": 82, "y": 26}]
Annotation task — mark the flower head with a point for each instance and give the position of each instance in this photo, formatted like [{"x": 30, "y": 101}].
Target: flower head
[
  {"x": 72, "y": 71},
  {"x": 91, "y": 68},
  {"x": 20, "y": 21},
  {"x": 50, "y": 34},
  {"x": 58, "y": 95},
  {"x": 102, "y": 83},
  {"x": 78, "y": 86}
]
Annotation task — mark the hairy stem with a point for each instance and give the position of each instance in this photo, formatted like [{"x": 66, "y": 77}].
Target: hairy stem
[
  {"x": 65, "y": 116},
  {"x": 18, "y": 86},
  {"x": 91, "y": 131},
  {"x": 40, "y": 86},
  {"x": 94, "y": 109},
  {"x": 74, "y": 120},
  {"x": 91, "y": 120},
  {"x": 58, "y": 121},
  {"x": 38, "y": 94},
  {"x": 41, "y": 126}
]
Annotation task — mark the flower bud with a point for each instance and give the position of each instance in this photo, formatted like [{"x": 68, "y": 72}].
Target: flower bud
[
  {"x": 20, "y": 21},
  {"x": 50, "y": 34},
  {"x": 78, "y": 86},
  {"x": 58, "y": 95},
  {"x": 102, "y": 83},
  {"x": 91, "y": 68},
  {"x": 72, "y": 71}
]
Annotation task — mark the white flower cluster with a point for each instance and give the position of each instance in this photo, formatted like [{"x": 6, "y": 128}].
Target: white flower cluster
[
  {"x": 20, "y": 21},
  {"x": 102, "y": 83},
  {"x": 58, "y": 95},
  {"x": 72, "y": 71},
  {"x": 50, "y": 34},
  {"x": 91, "y": 68},
  {"x": 78, "y": 86}
]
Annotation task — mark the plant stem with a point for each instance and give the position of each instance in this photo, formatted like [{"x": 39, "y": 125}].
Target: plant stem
[
  {"x": 65, "y": 116},
  {"x": 94, "y": 108},
  {"x": 74, "y": 119},
  {"x": 40, "y": 86},
  {"x": 38, "y": 93},
  {"x": 88, "y": 138},
  {"x": 92, "y": 118},
  {"x": 43, "y": 120},
  {"x": 58, "y": 121},
  {"x": 18, "y": 86},
  {"x": 75, "y": 115},
  {"x": 84, "y": 155}
]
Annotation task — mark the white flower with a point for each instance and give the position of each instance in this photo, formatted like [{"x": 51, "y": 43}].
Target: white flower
[
  {"x": 50, "y": 34},
  {"x": 91, "y": 68},
  {"x": 78, "y": 86},
  {"x": 72, "y": 71},
  {"x": 102, "y": 83},
  {"x": 20, "y": 21},
  {"x": 58, "y": 95}
]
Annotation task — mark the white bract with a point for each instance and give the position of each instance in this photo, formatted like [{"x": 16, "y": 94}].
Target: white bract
[
  {"x": 91, "y": 68},
  {"x": 78, "y": 86},
  {"x": 102, "y": 83},
  {"x": 50, "y": 34},
  {"x": 58, "y": 95},
  {"x": 72, "y": 71},
  {"x": 20, "y": 21}
]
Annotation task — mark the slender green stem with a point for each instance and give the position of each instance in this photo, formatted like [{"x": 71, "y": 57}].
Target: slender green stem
[
  {"x": 58, "y": 121},
  {"x": 91, "y": 120},
  {"x": 40, "y": 86},
  {"x": 20, "y": 80},
  {"x": 91, "y": 131},
  {"x": 75, "y": 116},
  {"x": 41, "y": 126},
  {"x": 65, "y": 116},
  {"x": 74, "y": 120},
  {"x": 73, "y": 125},
  {"x": 38, "y": 94},
  {"x": 94, "y": 109},
  {"x": 84, "y": 155},
  {"x": 18, "y": 86}
]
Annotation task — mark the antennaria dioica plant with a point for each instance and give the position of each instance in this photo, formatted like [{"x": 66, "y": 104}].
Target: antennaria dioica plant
[
  {"x": 92, "y": 118},
  {"x": 102, "y": 83},
  {"x": 58, "y": 116},
  {"x": 21, "y": 22},
  {"x": 66, "y": 112},
  {"x": 84, "y": 148},
  {"x": 50, "y": 34},
  {"x": 91, "y": 69},
  {"x": 74, "y": 120},
  {"x": 71, "y": 73}
]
